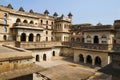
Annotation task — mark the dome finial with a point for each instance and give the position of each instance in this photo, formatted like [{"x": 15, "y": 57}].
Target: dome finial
[
  {"x": 55, "y": 14},
  {"x": 46, "y": 12},
  {"x": 10, "y": 6},
  {"x": 70, "y": 15},
  {"x": 21, "y": 9}
]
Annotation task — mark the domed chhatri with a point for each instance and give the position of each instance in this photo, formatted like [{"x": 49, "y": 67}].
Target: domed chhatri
[
  {"x": 10, "y": 6},
  {"x": 31, "y": 11},
  {"x": 62, "y": 16},
  {"x": 21, "y": 9},
  {"x": 46, "y": 12},
  {"x": 55, "y": 14},
  {"x": 70, "y": 15}
]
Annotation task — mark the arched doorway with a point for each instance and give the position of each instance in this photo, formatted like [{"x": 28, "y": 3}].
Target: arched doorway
[
  {"x": 5, "y": 29},
  {"x": 25, "y": 21},
  {"x": 98, "y": 61},
  {"x": 31, "y": 22},
  {"x": 37, "y": 58},
  {"x": 78, "y": 39},
  {"x": 81, "y": 58},
  {"x": 96, "y": 39},
  {"x": 72, "y": 39},
  {"x": 23, "y": 37},
  {"x": 46, "y": 38},
  {"x": 83, "y": 40},
  {"x": 18, "y": 20},
  {"x": 89, "y": 59},
  {"x": 5, "y": 37},
  {"x": 38, "y": 37},
  {"x": 53, "y": 53},
  {"x": 31, "y": 37},
  {"x": 44, "y": 57}
]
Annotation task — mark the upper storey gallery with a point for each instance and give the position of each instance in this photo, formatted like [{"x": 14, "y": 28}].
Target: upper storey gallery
[
  {"x": 9, "y": 16},
  {"x": 14, "y": 23}
]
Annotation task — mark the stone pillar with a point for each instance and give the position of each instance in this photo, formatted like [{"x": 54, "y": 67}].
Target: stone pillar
[
  {"x": 62, "y": 27},
  {"x": 93, "y": 61},
  {"x": 27, "y": 38},
  {"x": 34, "y": 38},
  {"x": 18, "y": 38},
  {"x": 85, "y": 60}
]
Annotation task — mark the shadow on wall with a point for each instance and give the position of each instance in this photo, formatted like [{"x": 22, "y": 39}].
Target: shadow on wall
[
  {"x": 27, "y": 77},
  {"x": 111, "y": 71}
]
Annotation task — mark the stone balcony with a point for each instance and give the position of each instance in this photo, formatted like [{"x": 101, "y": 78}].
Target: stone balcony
[
  {"x": 116, "y": 47},
  {"x": 90, "y": 46},
  {"x": 35, "y": 45},
  {"x": 25, "y": 24}
]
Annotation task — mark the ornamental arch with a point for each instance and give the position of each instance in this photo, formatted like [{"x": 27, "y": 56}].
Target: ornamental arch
[
  {"x": 81, "y": 58},
  {"x": 23, "y": 37},
  {"x": 98, "y": 61},
  {"x": 89, "y": 59}
]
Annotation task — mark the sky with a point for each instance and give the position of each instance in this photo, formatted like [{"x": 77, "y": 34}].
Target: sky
[{"x": 84, "y": 11}]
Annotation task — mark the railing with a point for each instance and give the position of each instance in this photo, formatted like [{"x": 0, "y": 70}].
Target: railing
[
  {"x": 93, "y": 46},
  {"x": 25, "y": 24},
  {"x": 7, "y": 43},
  {"x": 116, "y": 47},
  {"x": 34, "y": 45}
]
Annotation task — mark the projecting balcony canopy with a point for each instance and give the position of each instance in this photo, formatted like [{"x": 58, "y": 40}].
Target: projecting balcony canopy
[
  {"x": 90, "y": 46},
  {"x": 27, "y": 26}
]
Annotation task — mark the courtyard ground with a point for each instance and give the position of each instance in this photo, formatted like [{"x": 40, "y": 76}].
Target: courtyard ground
[{"x": 63, "y": 68}]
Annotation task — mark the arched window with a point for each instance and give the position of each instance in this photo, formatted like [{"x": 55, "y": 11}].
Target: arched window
[
  {"x": 52, "y": 23},
  {"x": 78, "y": 39},
  {"x": 72, "y": 39},
  {"x": 53, "y": 53},
  {"x": 5, "y": 21},
  {"x": 89, "y": 59},
  {"x": 41, "y": 22},
  {"x": 88, "y": 36},
  {"x": 37, "y": 58},
  {"x": 18, "y": 20},
  {"x": 31, "y": 36},
  {"x": 46, "y": 32},
  {"x": 105, "y": 37},
  {"x": 52, "y": 39},
  {"x": 81, "y": 58},
  {"x": 31, "y": 22},
  {"x": 25, "y": 21},
  {"x": 23, "y": 37},
  {"x": 5, "y": 15},
  {"x": 5, "y": 29},
  {"x": 83, "y": 40},
  {"x": 38, "y": 37},
  {"x": 46, "y": 38},
  {"x": 5, "y": 37},
  {"x": 98, "y": 61},
  {"x": 44, "y": 57},
  {"x": 46, "y": 22},
  {"x": 96, "y": 39}
]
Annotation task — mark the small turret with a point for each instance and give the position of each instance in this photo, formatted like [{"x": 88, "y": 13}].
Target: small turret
[
  {"x": 46, "y": 12},
  {"x": 31, "y": 11},
  {"x": 117, "y": 22},
  {"x": 99, "y": 24},
  {"x": 21, "y": 9},
  {"x": 55, "y": 14},
  {"x": 70, "y": 15},
  {"x": 10, "y": 6},
  {"x": 62, "y": 16}
]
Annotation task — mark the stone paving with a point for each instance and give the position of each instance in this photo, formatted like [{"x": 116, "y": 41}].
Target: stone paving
[
  {"x": 63, "y": 68},
  {"x": 61, "y": 61}
]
